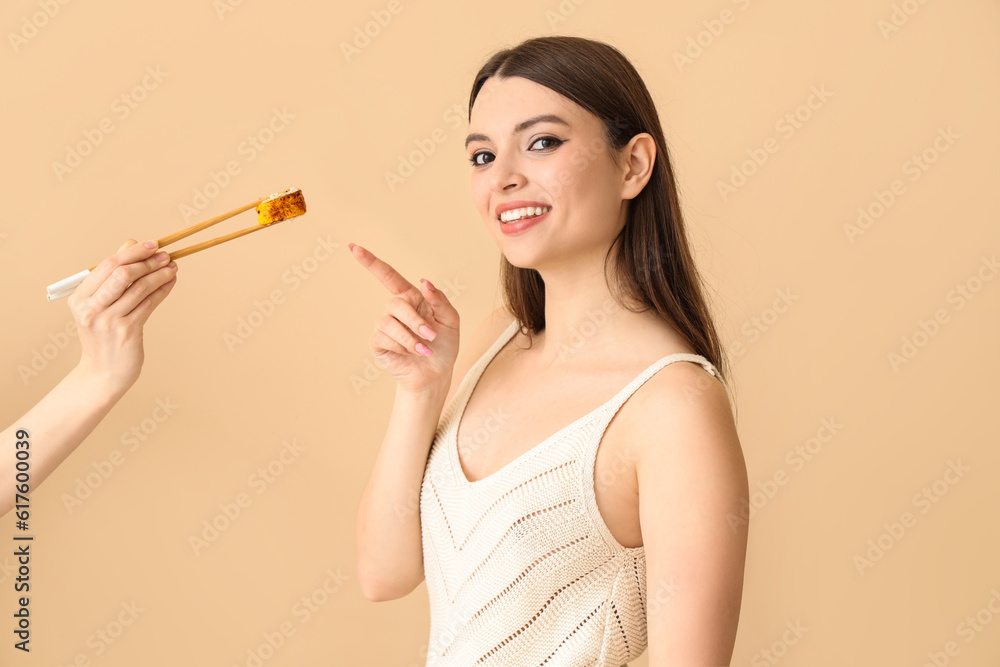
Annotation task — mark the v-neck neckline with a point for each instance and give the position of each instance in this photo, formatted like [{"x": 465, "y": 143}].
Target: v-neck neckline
[{"x": 503, "y": 340}]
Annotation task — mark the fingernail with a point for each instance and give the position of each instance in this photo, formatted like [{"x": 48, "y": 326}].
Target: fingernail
[
  {"x": 426, "y": 332},
  {"x": 423, "y": 349},
  {"x": 172, "y": 265},
  {"x": 150, "y": 244},
  {"x": 161, "y": 257},
  {"x": 430, "y": 285}
]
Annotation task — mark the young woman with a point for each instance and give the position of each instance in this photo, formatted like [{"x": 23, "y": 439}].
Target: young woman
[
  {"x": 110, "y": 308},
  {"x": 574, "y": 503}
]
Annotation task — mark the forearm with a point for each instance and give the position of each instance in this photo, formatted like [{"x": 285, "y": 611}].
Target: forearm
[
  {"x": 56, "y": 425},
  {"x": 389, "y": 547}
]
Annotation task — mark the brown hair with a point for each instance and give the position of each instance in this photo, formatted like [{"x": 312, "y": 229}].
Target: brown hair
[{"x": 653, "y": 263}]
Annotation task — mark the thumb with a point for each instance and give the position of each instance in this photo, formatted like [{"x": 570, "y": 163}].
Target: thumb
[
  {"x": 443, "y": 310},
  {"x": 126, "y": 244}
]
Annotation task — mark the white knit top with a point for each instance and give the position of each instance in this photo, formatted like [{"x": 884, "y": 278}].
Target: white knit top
[{"x": 520, "y": 566}]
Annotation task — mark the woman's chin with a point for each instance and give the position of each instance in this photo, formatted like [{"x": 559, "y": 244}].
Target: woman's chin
[{"x": 521, "y": 260}]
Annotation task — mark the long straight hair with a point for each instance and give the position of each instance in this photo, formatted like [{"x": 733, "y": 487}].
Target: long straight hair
[{"x": 653, "y": 266}]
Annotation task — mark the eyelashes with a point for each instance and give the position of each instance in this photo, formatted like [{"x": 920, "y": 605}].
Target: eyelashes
[{"x": 474, "y": 158}]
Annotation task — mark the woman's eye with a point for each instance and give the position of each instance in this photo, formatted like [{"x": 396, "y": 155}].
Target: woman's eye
[
  {"x": 476, "y": 162},
  {"x": 475, "y": 158},
  {"x": 555, "y": 142}
]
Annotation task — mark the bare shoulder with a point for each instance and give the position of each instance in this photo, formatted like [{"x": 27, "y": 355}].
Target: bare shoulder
[
  {"x": 475, "y": 346},
  {"x": 683, "y": 412},
  {"x": 692, "y": 490}
]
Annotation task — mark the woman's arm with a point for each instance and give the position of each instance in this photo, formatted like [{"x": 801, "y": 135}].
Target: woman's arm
[
  {"x": 389, "y": 545},
  {"x": 388, "y": 542},
  {"x": 110, "y": 308},
  {"x": 692, "y": 485}
]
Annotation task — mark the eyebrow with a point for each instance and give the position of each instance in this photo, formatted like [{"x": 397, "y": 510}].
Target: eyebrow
[{"x": 520, "y": 127}]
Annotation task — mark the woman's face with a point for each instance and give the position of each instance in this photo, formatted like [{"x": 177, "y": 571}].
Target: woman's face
[{"x": 532, "y": 147}]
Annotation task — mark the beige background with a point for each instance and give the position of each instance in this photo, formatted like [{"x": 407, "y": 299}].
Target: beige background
[{"x": 304, "y": 374}]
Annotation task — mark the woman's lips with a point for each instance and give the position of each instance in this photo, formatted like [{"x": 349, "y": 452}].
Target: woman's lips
[{"x": 519, "y": 226}]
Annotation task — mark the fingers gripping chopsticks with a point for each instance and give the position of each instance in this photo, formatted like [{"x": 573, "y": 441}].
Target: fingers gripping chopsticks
[{"x": 270, "y": 210}]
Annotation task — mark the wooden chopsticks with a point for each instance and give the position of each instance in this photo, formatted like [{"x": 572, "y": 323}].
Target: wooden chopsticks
[{"x": 66, "y": 286}]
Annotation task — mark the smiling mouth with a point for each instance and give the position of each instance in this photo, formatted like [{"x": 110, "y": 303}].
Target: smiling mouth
[{"x": 525, "y": 213}]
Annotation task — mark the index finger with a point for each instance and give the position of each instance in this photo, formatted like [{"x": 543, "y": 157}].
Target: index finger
[
  {"x": 125, "y": 255},
  {"x": 388, "y": 276}
]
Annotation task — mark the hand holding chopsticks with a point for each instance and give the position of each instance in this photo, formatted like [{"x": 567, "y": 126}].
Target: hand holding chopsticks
[
  {"x": 279, "y": 206},
  {"x": 111, "y": 307}
]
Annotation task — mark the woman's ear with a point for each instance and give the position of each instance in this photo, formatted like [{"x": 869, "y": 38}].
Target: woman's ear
[{"x": 639, "y": 157}]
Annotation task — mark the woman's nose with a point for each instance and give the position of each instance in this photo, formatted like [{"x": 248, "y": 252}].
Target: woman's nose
[{"x": 506, "y": 174}]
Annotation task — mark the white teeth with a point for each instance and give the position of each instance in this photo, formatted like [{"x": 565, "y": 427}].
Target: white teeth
[{"x": 527, "y": 211}]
